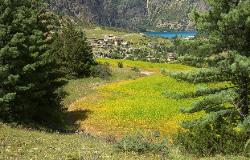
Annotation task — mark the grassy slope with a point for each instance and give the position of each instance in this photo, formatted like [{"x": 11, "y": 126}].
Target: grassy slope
[
  {"x": 136, "y": 105},
  {"x": 79, "y": 88},
  {"x": 26, "y": 144},
  {"x": 20, "y": 143},
  {"x": 154, "y": 67}
]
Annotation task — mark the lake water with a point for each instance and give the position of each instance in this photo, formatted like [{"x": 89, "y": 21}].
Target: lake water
[{"x": 183, "y": 34}]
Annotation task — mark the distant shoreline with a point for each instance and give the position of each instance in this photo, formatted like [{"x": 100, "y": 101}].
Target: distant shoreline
[{"x": 171, "y": 34}]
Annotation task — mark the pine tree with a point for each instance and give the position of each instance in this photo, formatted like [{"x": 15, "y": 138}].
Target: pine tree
[
  {"x": 27, "y": 74},
  {"x": 72, "y": 51},
  {"x": 225, "y": 28}
]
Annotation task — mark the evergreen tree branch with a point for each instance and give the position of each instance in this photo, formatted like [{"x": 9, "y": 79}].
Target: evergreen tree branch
[
  {"x": 208, "y": 118},
  {"x": 214, "y": 102},
  {"x": 197, "y": 93},
  {"x": 200, "y": 75}
]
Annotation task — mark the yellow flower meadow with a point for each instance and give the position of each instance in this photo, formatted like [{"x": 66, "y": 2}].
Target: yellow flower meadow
[{"x": 136, "y": 105}]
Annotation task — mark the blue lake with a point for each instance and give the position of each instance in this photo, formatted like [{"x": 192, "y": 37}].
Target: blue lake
[{"x": 183, "y": 34}]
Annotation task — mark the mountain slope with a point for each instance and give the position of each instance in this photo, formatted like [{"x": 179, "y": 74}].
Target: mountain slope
[
  {"x": 172, "y": 14},
  {"x": 136, "y": 14}
]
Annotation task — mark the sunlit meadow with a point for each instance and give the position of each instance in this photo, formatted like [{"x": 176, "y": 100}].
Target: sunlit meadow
[{"x": 137, "y": 105}]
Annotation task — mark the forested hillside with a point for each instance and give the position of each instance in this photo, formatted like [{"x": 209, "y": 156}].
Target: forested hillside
[{"x": 136, "y": 14}]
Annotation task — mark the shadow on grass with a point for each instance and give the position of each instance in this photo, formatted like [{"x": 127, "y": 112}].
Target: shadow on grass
[{"x": 73, "y": 117}]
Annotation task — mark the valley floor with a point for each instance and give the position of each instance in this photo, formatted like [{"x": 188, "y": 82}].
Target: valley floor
[
  {"x": 136, "y": 104},
  {"x": 126, "y": 103}
]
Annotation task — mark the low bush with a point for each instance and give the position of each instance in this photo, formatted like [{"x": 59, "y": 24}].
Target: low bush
[
  {"x": 116, "y": 55},
  {"x": 120, "y": 64},
  {"x": 212, "y": 139},
  {"x": 163, "y": 71},
  {"x": 71, "y": 51},
  {"x": 140, "y": 144},
  {"x": 101, "y": 70}
]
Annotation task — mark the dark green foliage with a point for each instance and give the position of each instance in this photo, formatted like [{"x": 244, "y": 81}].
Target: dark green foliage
[
  {"x": 229, "y": 103},
  {"x": 245, "y": 125},
  {"x": 120, "y": 64},
  {"x": 218, "y": 137},
  {"x": 227, "y": 23},
  {"x": 191, "y": 46},
  {"x": 101, "y": 70},
  {"x": 163, "y": 71},
  {"x": 225, "y": 29},
  {"x": 198, "y": 52},
  {"x": 71, "y": 50},
  {"x": 192, "y": 52},
  {"x": 28, "y": 88},
  {"x": 117, "y": 54},
  {"x": 140, "y": 144}
]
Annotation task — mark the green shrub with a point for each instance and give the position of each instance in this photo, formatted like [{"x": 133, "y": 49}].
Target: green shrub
[
  {"x": 247, "y": 148},
  {"x": 72, "y": 51},
  {"x": 116, "y": 55},
  {"x": 140, "y": 144},
  {"x": 213, "y": 139},
  {"x": 120, "y": 64},
  {"x": 163, "y": 71},
  {"x": 101, "y": 70}
]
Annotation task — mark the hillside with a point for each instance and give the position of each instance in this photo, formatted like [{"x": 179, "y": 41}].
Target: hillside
[
  {"x": 136, "y": 14},
  {"x": 20, "y": 143},
  {"x": 24, "y": 143}
]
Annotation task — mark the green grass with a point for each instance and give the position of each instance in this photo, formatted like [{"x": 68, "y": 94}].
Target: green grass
[
  {"x": 22, "y": 144},
  {"x": 78, "y": 88},
  {"x": 133, "y": 105},
  {"x": 129, "y": 106},
  {"x": 125, "y": 102},
  {"x": 155, "y": 67}
]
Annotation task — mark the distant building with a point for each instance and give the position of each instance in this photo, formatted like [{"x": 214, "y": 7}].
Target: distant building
[
  {"x": 118, "y": 41},
  {"x": 109, "y": 42},
  {"x": 171, "y": 57},
  {"x": 109, "y": 38},
  {"x": 189, "y": 37}
]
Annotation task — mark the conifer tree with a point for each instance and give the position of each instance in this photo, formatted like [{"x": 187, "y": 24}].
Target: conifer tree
[
  {"x": 226, "y": 28},
  {"x": 27, "y": 74},
  {"x": 72, "y": 51}
]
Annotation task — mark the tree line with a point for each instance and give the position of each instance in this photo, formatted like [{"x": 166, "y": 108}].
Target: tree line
[
  {"x": 39, "y": 51},
  {"x": 221, "y": 50}
]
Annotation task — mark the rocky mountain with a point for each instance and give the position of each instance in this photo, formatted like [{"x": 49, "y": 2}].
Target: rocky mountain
[{"x": 131, "y": 14}]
